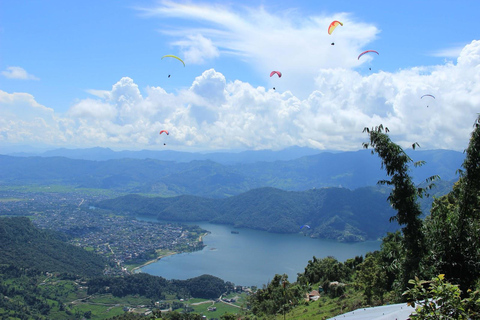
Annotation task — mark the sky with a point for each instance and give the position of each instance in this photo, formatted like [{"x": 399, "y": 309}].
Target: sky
[{"x": 80, "y": 74}]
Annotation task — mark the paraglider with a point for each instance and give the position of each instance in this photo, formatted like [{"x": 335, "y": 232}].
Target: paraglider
[
  {"x": 364, "y": 52},
  {"x": 175, "y": 57},
  {"x": 332, "y": 27},
  {"x": 278, "y": 73},
  {"x": 427, "y": 95},
  {"x": 164, "y": 131},
  {"x": 306, "y": 226}
]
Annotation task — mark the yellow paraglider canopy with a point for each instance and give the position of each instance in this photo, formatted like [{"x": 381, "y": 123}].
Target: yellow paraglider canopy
[{"x": 172, "y": 56}]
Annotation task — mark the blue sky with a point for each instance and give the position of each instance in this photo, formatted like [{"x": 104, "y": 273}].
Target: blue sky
[{"x": 90, "y": 73}]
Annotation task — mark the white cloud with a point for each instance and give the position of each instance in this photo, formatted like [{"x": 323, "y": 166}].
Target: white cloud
[
  {"x": 22, "y": 119},
  {"x": 197, "y": 49},
  {"x": 216, "y": 114},
  {"x": 93, "y": 109},
  {"x": 18, "y": 73},
  {"x": 268, "y": 41},
  {"x": 104, "y": 94},
  {"x": 452, "y": 52}
]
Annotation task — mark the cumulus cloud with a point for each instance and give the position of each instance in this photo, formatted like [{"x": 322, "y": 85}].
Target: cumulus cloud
[
  {"x": 18, "y": 73},
  {"x": 93, "y": 109},
  {"x": 22, "y": 119},
  {"x": 214, "y": 113}
]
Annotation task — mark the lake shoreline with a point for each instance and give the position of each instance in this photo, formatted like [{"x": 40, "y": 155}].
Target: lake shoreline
[{"x": 138, "y": 269}]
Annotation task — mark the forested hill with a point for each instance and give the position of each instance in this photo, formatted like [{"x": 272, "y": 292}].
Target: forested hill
[
  {"x": 25, "y": 246},
  {"x": 211, "y": 179},
  {"x": 332, "y": 213}
]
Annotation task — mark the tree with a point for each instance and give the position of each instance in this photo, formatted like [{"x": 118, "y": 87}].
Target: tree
[
  {"x": 372, "y": 277},
  {"x": 392, "y": 255},
  {"x": 453, "y": 226},
  {"x": 279, "y": 296},
  {"x": 403, "y": 197}
]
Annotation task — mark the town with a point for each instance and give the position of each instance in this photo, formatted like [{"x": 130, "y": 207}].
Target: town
[{"x": 125, "y": 240}]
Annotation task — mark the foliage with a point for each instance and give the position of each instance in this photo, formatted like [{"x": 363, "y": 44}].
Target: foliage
[
  {"x": 325, "y": 270},
  {"x": 438, "y": 299},
  {"x": 23, "y": 245},
  {"x": 392, "y": 255},
  {"x": 278, "y": 297},
  {"x": 454, "y": 224},
  {"x": 155, "y": 287},
  {"x": 403, "y": 197},
  {"x": 26, "y": 292},
  {"x": 371, "y": 277}
]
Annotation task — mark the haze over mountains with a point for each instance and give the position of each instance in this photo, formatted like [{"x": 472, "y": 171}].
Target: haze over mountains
[
  {"x": 216, "y": 175},
  {"x": 169, "y": 155}
]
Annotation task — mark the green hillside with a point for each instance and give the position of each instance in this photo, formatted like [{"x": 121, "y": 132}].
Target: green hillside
[
  {"x": 333, "y": 213},
  {"x": 25, "y": 246}
]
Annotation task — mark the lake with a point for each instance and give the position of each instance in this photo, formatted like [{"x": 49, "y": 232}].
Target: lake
[{"x": 252, "y": 257}]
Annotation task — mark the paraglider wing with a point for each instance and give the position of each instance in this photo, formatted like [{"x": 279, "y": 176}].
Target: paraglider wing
[
  {"x": 306, "y": 226},
  {"x": 333, "y": 25},
  {"x": 427, "y": 95},
  {"x": 175, "y": 57},
  {"x": 276, "y": 72},
  {"x": 361, "y": 54},
  {"x": 166, "y": 131}
]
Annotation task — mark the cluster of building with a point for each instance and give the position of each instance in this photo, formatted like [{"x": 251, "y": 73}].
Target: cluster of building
[{"x": 119, "y": 237}]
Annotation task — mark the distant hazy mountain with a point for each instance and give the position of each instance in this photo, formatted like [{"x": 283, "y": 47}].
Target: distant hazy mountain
[
  {"x": 332, "y": 213},
  {"x": 177, "y": 156},
  {"x": 212, "y": 179}
]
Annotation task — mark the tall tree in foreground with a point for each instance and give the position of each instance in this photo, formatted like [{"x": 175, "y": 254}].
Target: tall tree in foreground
[
  {"x": 453, "y": 227},
  {"x": 403, "y": 198}
]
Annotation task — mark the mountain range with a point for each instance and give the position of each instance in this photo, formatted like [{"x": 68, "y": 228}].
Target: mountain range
[
  {"x": 207, "y": 178},
  {"x": 102, "y": 154}
]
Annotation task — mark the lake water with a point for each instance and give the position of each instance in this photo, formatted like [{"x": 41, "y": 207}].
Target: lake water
[{"x": 252, "y": 257}]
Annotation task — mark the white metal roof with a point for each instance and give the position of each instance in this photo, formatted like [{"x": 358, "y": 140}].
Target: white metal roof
[{"x": 399, "y": 311}]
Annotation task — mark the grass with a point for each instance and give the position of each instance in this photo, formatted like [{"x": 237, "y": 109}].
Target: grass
[
  {"x": 222, "y": 308},
  {"x": 109, "y": 299},
  {"x": 326, "y": 307},
  {"x": 99, "y": 311}
]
